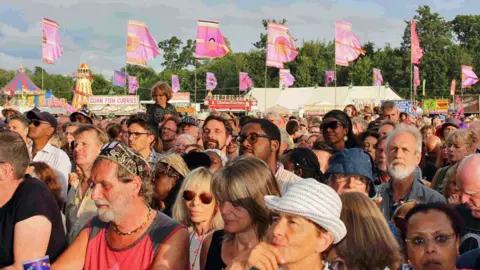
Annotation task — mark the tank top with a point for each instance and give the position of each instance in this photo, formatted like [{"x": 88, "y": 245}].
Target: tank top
[
  {"x": 214, "y": 255},
  {"x": 141, "y": 253}
]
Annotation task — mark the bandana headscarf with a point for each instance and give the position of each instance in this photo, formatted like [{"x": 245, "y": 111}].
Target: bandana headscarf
[{"x": 130, "y": 160}]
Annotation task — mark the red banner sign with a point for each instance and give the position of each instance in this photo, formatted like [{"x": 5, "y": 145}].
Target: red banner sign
[{"x": 233, "y": 105}]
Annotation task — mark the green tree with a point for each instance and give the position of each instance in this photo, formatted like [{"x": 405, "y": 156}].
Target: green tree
[
  {"x": 262, "y": 43},
  {"x": 175, "y": 56}
]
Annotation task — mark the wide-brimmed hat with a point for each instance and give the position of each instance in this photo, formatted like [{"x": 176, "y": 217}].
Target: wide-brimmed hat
[
  {"x": 11, "y": 109},
  {"x": 314, "y": 201},
  {"x": 177, "y": 163}
]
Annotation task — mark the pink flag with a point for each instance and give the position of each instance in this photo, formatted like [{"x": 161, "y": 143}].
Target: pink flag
[
  {"x": 286, "y": 78},
  {"x": 210, "y": 42},
  {"x": 347, "y": 45},
  {"x": 119, "y": 78},
  {"x": 132, "y": 84},
  {"x": 280, "y": 45},
  {"x": 417, "y": 51},
  {"x": 460, "y": 109},
  {"x": 245, "y": 81},
  {"x": 469, "y": 77},
  {"x": 453, "y": 85},
  {"x": 141, "y": 46},
  {"x": 416, "y": 77},
  {"x": 377, "y": 77},
  {"x": 175, "y": 83},
  {"x": 211, "y": 81},
  {"x": 51, "y": 45},
  {"x": 329, "y": 77}
]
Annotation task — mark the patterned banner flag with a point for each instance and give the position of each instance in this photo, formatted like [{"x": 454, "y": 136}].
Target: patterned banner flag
[
  {"x": 175, "y": 83},
  {"x": 211, "y": 81},
  {"x": 416, "y": 77},
  {"x": 453, "y": 86},
  {"x": 423, "y": 87},
  {"x": 286, "y": 78},
  {"x": 280, "y": 45},
  {"x": 329, "y": 77},
  {"x": 132, "y": 84},
  {"x": 469, "y": 77},
  {"x": 460, "y": 109},
  {"x": 347, "y": 45},
  {"x": 417, "y": 51},
  {"x": 245, "y": 82},
  {"x": 377, "y": 77},
  {"x": 210, "y": 42},
  {"x": 141, "y": 46},
  {"x": 119, "y": 78},
  {"x": 51, "y": 45}
]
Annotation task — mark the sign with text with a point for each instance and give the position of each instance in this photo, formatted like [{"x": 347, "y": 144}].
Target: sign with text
[
  {"x": 180, "y": 97},
  {"x": 113, "y": 100},
  {"x": 435, "y": 106},
  {"x": 314, "y": 110},
  {"x": 470, "y": 104},
  {"x": 404, "y": 106}
]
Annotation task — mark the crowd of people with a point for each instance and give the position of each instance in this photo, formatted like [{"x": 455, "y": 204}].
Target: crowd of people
[{"x": 368, "y": 189}]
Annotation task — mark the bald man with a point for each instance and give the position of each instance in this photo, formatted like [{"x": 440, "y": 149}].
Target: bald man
[
  {"x": 433, "y": 144},
  {"x": 468, "y": 186}
]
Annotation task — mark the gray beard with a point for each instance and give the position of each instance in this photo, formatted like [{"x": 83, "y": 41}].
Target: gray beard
[{"x": 399, "y": 174}]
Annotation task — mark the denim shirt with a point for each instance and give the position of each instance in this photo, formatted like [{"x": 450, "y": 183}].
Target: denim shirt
[{"x": 419, "y": 192}]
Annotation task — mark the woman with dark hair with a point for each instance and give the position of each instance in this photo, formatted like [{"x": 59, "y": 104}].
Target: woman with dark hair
[
  {"x": 293, "y": 129},
  {"x": 114, "y": 131},
  {"x": 337, "y": 130},
  {"x": 368, "y": 142},
  {"x": 431, "y": 234},
  {"x": 304, "y": 163}
]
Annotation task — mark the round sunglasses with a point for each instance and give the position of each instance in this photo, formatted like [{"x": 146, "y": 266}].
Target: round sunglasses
[{"x": 205, "y": 198}]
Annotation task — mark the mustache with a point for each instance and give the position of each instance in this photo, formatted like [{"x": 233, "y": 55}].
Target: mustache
[{"x": 101, "y": 202}]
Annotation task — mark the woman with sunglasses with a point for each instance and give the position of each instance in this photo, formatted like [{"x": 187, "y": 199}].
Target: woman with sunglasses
[
  {"x": 432, "y": 236},
  {"x": 239, "y": 188},
  {"x": 196, "y": 208},
  {"x": 337, "y": 130},
  {"x": 167, "y": 179}
]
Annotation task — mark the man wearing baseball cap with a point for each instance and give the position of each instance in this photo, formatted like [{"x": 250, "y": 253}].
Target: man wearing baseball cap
[
  {"x": 189, "y": 126},
  {"x": 41, "y": 129}
]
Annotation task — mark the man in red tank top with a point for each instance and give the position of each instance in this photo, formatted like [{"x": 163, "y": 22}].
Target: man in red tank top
[{"x": 126, "y": 233}]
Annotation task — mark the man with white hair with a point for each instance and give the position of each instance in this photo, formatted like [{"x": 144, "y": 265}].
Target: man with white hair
[
  {"x": 274, "y": 118},
  {"x": 404, "y": 148}
]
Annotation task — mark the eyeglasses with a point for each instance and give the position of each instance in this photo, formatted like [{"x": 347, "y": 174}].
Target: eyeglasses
[
  {"x": 37, "y": 122},
  {"x": 252, "y": 138},
  {"x": 330, "y": 125},
  {"x": 205, "y": 198},
  {"x": 136, "y": 135},
  {"x": 162, "y": 95},
  {"x": 419, "y": 241},
  {"x": 168, "y": 129}
]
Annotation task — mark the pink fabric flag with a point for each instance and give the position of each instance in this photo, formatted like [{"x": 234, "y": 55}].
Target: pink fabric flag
[
  {"x": 141, "y": 46},
  {"x": 286, "y": 78},
  {"x": 453, "y": 86},
  {"x": 51, "y": 45},
  {"x": 132, "y": 84},
  {"x": 416, "y": 77},
  {"x": 329, "y": 77},
  {"x": 119, "y": 78},
  {"x": 417, "y": 51},
  {"x": 280, "y": 45},
  {"x": 469, "y": 77},
  {"x": 377, "y": 77},
  {"x": 211, "y": 81},
  {"x": 245, "y": 81},
  {"x": 210, "y": 41},
  {"x": 175, "y": 83},
  {"x": 460, "y": 109},
  {"x": 347, "y": 45}
]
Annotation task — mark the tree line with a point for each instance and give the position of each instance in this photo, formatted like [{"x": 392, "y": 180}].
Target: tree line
[{"x": 447, "y": 45}]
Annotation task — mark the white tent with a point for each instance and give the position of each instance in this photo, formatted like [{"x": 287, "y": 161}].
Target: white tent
[{"x": 296, "y": 98}]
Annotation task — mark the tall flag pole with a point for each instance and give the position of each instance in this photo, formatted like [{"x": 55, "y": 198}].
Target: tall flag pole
[
  {"x": 347, "y": 47},
  {"x": 416, "y": 54}
]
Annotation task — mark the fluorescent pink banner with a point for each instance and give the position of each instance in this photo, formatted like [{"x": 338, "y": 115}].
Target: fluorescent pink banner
[
  {"x": 453, "y": 86},
  {"x": 132, "y": 84},
  {"x": 460, "y": 109},
  {"x": 347, "y": 45},
  {"x": 377, "y": 77},
  {"x": 245, "y": 81},
  {"x": 469, "y": 77},
  {"x": 329, "y": 77},
  {"x": 280, "y": 45},
  {"x": 211, "y": 81},
  {"x": 416, "y": 77},
  {"x": 141, "y": 46},
  {"x": 210, "y": 41},
  {"x": 417, "y": 51},
  {"x": 286, "y": 78},
  {"x": 51, "y": 45},
  {"x": 175, "y": 83}
]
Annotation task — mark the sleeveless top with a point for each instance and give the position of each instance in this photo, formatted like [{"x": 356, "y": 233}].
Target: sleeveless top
[
  {"x": 141, "y": 253},
  {"x": 214, "y": 256}
]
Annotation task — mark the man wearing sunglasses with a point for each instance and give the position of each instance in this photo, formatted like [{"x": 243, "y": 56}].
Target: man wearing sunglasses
[
  {"x": 41, "y": 129},
  {"x": 261, "y": 138}
]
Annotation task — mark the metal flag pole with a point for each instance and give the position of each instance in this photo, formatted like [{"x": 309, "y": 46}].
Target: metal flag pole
[
  {"x": 411, "y": 80},
  {"x": 126, "y": 62},
  {"x": 335, "y": 64},
  {"x": 265, "y": 90},
  {"x": 195, "y": 86}
]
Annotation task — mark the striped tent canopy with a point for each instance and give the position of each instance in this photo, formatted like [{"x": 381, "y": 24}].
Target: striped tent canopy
[{"x": 21, "y": 84}]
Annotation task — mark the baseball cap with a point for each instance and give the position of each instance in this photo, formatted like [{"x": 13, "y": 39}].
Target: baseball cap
[
  {"x": 83, "y": 112},
  {"x": 42, "y": 116},
  {"x": 188, "y": 120}
]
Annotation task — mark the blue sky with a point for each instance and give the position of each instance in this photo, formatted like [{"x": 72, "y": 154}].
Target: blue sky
[{"x": 94, "y": 31}]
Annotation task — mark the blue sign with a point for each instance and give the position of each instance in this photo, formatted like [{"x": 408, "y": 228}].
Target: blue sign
[{"x": 403, "y": 106}]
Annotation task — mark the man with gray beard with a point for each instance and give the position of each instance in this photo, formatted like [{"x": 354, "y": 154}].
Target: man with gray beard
[{"x": 404, "y": 148}]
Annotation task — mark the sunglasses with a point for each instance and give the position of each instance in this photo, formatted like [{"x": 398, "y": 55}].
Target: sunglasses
[
  {"x": 37, "y": 122},
  {"x": 251, "y": 138},
  {"x": 330, "y": 125},
  {"x": 205, "y": 198}
]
